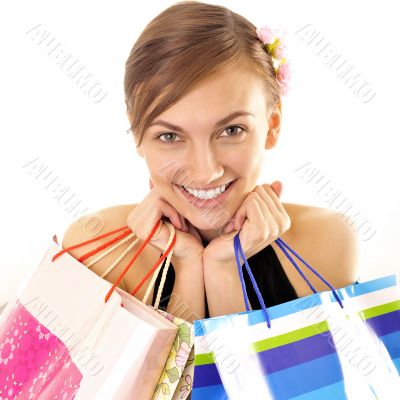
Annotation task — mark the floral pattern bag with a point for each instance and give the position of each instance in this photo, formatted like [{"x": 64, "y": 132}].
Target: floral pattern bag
[{"x": 176, "y": 379}]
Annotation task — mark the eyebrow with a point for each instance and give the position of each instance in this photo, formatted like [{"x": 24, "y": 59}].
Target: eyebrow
[{"x": 223, "y": 121}]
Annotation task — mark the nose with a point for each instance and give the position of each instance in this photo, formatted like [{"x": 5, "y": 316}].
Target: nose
[{"x": 204, "y": 166}]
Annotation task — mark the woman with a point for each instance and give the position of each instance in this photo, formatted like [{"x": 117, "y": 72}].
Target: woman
[{"x": 203, "y": 99}]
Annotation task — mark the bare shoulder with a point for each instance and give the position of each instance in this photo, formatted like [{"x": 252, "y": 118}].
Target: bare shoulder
[
  {"x": 91, "y": 225},
  {"x": 95, "y": 224},
  {"x": 326, "y": 241}
]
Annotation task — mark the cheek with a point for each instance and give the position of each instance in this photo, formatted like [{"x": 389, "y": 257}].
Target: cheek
[
  {"x": 249, "y": 161},
  {"x": 164, "y": 172}
]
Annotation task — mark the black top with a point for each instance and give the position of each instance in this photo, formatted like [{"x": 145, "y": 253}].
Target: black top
[{"x": 268, "y": 272}]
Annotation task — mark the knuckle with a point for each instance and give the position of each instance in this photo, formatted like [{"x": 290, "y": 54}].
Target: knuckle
[{"x": 252, "y": 195}]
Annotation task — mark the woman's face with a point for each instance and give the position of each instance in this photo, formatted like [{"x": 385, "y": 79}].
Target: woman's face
[{"x": 198, "y": 152}]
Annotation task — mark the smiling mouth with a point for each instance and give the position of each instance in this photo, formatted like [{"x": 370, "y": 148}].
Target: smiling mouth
[{"x": 203, "y": 203}]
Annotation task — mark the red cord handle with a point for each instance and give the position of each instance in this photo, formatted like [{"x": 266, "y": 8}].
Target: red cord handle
[
  {"x": 136, "y": 256},
  {"x": 75, "y": 246},
  {"x": 109, "y": 243}
]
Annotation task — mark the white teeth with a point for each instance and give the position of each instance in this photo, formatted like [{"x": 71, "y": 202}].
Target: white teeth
[{"x": 206, "y": 194}]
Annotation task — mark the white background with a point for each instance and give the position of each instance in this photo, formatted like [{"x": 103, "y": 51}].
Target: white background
[{"x": 47, "y": 120}]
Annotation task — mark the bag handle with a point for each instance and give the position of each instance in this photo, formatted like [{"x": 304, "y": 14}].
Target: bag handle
[
  {"x": 238, "y": 249},
  {"x": 127, "y": 231},
  {"x": 126, "y": 251},
  {"x": 164, "y": 273}
]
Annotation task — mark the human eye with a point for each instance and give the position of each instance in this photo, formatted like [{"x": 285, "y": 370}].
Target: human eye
[
  {"x": 242, "y": 130},
  {"x": 166, "y": 134}
]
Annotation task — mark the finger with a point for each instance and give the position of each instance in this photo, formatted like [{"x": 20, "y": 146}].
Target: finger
[
  {"x": 266, "y": 198},
  {"x": 281, "y": 217},
  {"x": 274, "y": 198},
  {"x": 267, "y": 216},
  {"x": 254, "y": 213},
  {"x": 183, "y": 222},
  {"x": 276, "y": 186},
  {"x": 273, "y": 220},
  {"x": 230, "y": 226},
  {"x": 172, "y": 214},
  {"x": 259, "y": 215},
  {"x": 165, "y": 209},
  {"x": 240, "y": 215}
]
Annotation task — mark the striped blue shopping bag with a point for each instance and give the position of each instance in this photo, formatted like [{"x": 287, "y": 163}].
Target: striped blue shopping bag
[{"x": 337, "y": 344}]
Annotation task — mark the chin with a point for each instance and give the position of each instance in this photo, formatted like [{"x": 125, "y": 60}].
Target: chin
[{"x": 208, "y": 222}]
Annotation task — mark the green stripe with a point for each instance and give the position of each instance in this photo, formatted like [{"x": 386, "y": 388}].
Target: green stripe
[
  {"x": 290, "y": 337},
  {"x": 276, "y": 341},
  {"x": 303, "y": 333},
  {"x": 380, "y": 310},
  {"x": 202, "y": 359}
]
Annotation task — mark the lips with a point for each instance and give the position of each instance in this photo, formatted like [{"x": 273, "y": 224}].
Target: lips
[
  {"x": 205, "y": 203},
  {"x": 226, "y": 187}
]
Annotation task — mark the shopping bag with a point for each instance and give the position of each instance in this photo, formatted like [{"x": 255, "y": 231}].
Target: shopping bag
[
  {"x": 170, "y": 380},
  {"x": 184, "y": 388},
  {"x": 336, "y": 344},
  {"x": 173, "y": 382},
  {"x": 178, "y": 369},
  {"x": 61, "y": 337},
  {"x": 152, "y": 363}
]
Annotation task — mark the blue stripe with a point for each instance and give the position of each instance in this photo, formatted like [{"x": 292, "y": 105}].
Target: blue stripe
[
  {"x": 392, "y": 343},
  {"x": 373, "y": 285},
  {"x": 291, "y": 354},
  {"x": 214, "y": 392},
  {"x": 335, "y": 391},
  {"x": 296, "y": 353},
  {"x": 206, "y": 375},
  {"x": 275, "y": 359},
  {"x": 293, "y": 306},
  {"x": 305, "y": 377},
  {"x": 299, "y": 380},
  {"x": 385, "y": 323}
]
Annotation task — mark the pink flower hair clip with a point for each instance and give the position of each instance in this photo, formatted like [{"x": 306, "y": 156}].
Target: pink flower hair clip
[{"x": 277, "y": 50}]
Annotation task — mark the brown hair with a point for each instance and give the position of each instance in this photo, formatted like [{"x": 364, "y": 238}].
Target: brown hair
[{"x": 184, "y": 44}]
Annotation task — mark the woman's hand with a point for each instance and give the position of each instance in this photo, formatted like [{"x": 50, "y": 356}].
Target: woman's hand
[
  {"x": 261, "y": 219},
  {"x": 141, "y": 220}
]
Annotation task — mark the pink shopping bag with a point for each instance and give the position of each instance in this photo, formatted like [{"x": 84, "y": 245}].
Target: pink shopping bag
[{"x": 65, "y": 334}]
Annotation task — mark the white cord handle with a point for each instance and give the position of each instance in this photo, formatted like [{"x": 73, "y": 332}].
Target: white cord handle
[{"x": 157, "y": 271}]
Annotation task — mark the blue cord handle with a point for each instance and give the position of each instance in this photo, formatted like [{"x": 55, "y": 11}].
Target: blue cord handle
[{"x": 238, "y": 249}]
